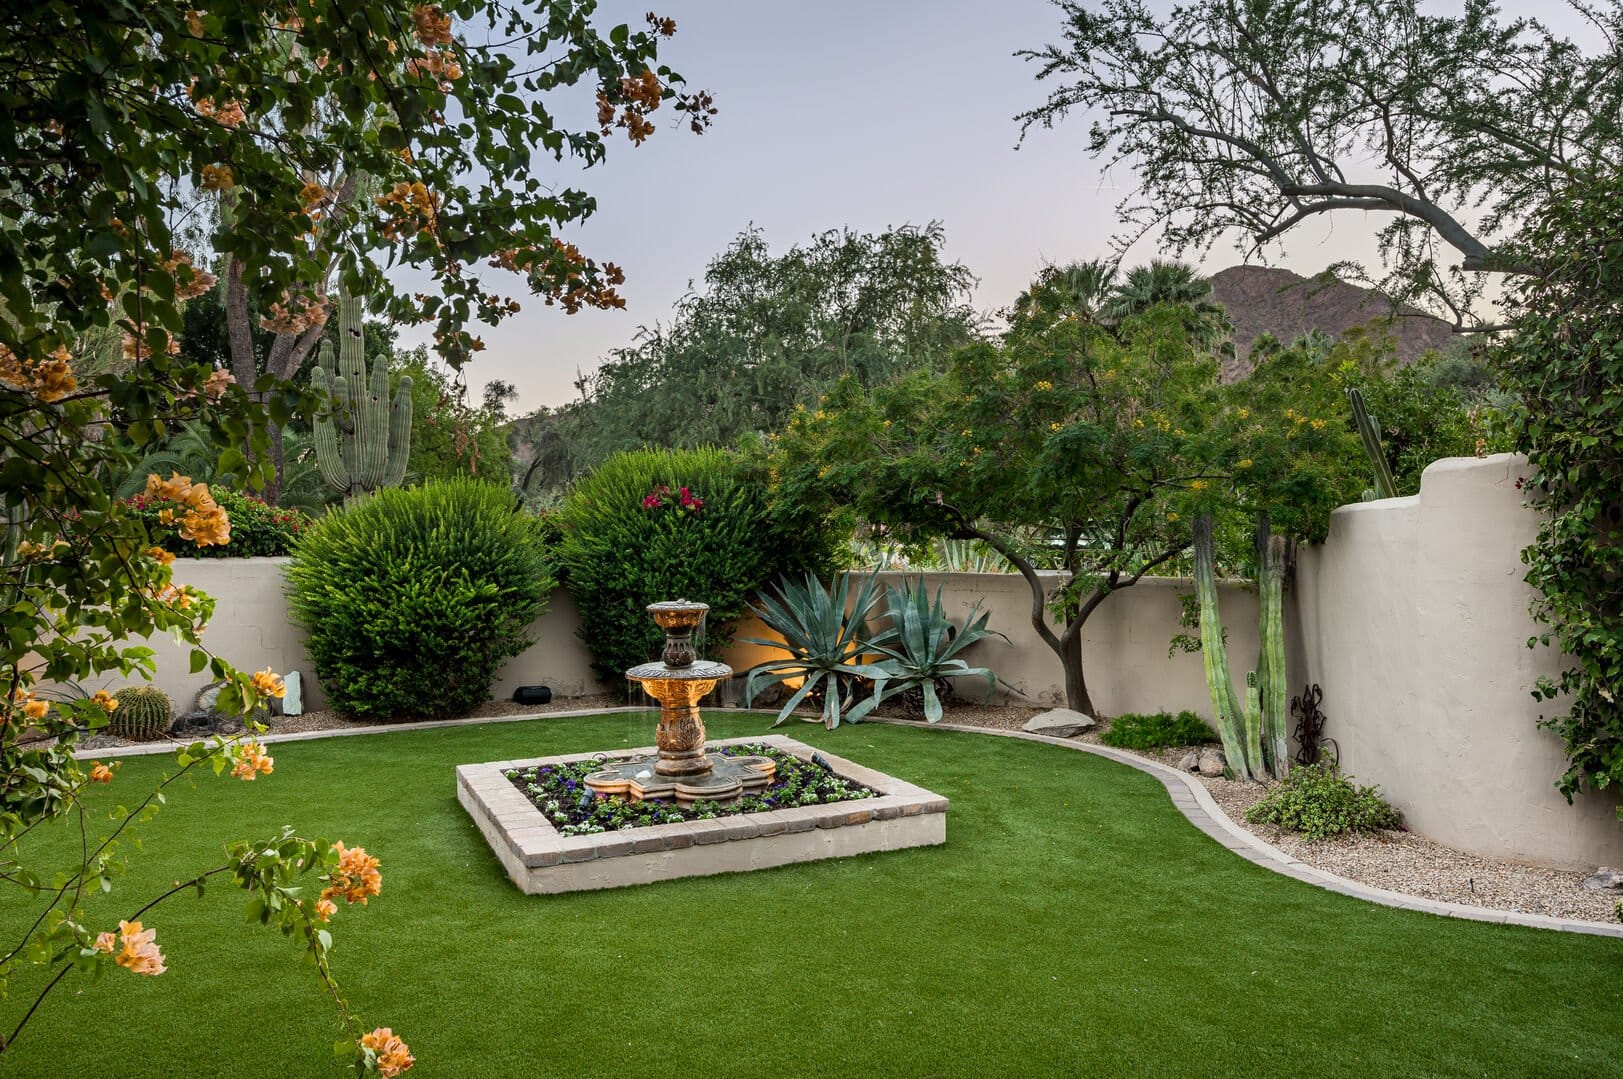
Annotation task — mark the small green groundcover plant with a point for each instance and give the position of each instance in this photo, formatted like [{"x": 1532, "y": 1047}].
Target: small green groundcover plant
[
  {"x": 1159, "y": 730},
  {"x": 1319, "y": 802},
  {"x": 574, "y": 808},
  {"x": 411, "y": 598}
]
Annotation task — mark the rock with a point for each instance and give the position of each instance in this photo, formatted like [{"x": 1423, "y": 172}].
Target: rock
[
  {"x": 1190, "y": 761},
  {"x": 1212, "y": 762},
  {"x": 192, "y": 720},
  {"x": 1059, "y": 723},
  {"x": 1605, "y": 879},
  {"x": 207, "y": 696},
  {"x": 293, "y": 698}
]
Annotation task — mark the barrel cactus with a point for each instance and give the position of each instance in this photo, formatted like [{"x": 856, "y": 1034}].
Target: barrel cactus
[
  {"x": 143, "y": 713},
  {"x": 363, "y": 444}
]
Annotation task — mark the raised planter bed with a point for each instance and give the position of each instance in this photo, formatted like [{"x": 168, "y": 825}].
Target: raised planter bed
[{"x": 541, "y": 860}]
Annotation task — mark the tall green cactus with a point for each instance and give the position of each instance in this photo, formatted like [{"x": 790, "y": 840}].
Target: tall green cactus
[
  {"x": 363, "y": 445},
  {"x": 1214, "y": 653},
  {"x": 1272, "y": 552},
  {"x": 1370, "y": 432}
]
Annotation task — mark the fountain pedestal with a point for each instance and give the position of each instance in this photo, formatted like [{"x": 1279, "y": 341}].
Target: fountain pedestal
[{"x": 681, "y": 769}]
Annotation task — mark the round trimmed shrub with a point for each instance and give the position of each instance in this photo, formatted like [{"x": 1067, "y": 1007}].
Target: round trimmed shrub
[
  {"x": 143, "y": 714},
  {"x": 411, "y": 598},
  {"x": 657, "y": 524}
]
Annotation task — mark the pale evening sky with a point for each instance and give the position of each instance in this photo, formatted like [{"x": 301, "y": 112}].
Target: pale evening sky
[{"x": 867, "y": 114}]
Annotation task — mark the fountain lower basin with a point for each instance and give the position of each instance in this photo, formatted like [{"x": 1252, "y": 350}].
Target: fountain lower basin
[{"x": 540, "y": 860}]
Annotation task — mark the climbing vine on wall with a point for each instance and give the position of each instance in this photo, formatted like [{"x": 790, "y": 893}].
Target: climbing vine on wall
[{"x": 1565, "y": 365}]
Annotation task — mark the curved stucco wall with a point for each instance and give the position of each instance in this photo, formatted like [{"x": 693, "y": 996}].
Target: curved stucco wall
[{"x": 1413, "y": 616}]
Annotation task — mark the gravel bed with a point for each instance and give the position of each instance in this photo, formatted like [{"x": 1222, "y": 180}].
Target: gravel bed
[{"x": 1398, "y": 861}]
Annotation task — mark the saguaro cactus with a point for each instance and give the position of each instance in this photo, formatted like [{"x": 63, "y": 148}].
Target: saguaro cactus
[{"x": 363, "y": 445}]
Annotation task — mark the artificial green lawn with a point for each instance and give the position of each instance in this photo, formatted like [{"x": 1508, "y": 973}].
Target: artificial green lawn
[{"x": 1074, "y": 924}]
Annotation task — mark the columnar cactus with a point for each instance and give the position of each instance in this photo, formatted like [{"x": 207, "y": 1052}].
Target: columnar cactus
[
  {"x": 143, "y": 713},
  {"x": 363, "y": 445},
  {"x": 1272, "y": 552},
  {"x": 1214, "y": 653},
  {"x": 1370, "y": 432}
]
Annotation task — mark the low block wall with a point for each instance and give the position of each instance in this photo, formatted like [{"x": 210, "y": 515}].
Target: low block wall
[
  {"x": 251, "y": 628},
  {"x": 1413, "y": 616},
  {"x": 1124, "y": 643}
]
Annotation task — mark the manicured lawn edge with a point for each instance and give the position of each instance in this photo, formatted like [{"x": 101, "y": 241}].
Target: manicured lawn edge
[{"x": 1188, "y": 795}]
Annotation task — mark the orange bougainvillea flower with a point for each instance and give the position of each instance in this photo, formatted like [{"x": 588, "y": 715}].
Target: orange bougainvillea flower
[
  {"x": 159, "y": 555},
  {"x": 393, "y": 1055},
  {"x": 251, "y": 761},
  {"x": 100, "y": 773},
  {"x": 106, "y": 942},
  {"x": 268, "y": 683},
  {"x": 36, "y": 709},
  {"x": 104, "y": 700},
  {"x": 172, "y": 489},
  {"x": 356, "y": 879},
  {"x": 325, "y": 909},
  {"x": 139, "y": 954}
]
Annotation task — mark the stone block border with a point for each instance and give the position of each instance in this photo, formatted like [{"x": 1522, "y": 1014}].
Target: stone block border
[
  {"x": 542, "y": 861},
  {"x": 1187, "y": 794}
]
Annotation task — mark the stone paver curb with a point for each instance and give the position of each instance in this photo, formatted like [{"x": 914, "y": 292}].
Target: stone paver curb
[{"x": 1195, "y": 802}]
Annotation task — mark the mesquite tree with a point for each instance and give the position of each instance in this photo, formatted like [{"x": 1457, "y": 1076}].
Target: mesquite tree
[
  {"x": 1072, "y": 448},
  {"x": 1247, "y": 119}
]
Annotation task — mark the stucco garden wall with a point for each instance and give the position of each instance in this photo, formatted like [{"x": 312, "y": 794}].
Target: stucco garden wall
[{"x": 1413, "y": 616}]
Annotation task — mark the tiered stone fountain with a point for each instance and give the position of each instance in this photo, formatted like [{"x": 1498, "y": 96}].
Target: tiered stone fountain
[
  {"x": 682, "y": 769},
  {"x": 679, "y": 766}
]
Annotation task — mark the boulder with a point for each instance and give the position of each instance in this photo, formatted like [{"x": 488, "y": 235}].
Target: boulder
[
  {"x": 1190, "y": 762},
  {"x": 1059, "y": 723},
  {"x": 1212, "y": 762},
  {"x": 1605, "y": 879},
  {"x": 207, "y": 696}
]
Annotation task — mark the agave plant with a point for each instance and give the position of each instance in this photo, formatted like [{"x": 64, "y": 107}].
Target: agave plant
[
  {"x": 824, "y": 631},
  {"x": 922, "y": 648}
]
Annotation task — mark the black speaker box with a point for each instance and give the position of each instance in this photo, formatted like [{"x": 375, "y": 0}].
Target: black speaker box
[{"x": 533, "y": 695}]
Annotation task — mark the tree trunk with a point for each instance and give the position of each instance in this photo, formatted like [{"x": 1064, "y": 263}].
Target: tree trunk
[
  {"x": 1076, "y": 679},
  {"x": 1214, "y": 653}
]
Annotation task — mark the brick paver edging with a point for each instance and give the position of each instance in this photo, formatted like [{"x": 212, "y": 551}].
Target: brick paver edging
[{"x": 1188, "y": 794}]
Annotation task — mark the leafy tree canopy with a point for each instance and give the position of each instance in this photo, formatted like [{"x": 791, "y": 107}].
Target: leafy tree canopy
[
  {"x": 1247, "y": 119},
  {"x": 768, "y": 332},
  {"x": 449, "y": 436},
  {"x": 1094, "y": 438}
]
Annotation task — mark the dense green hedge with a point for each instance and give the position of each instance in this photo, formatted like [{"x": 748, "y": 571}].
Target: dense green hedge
[
  {"x": 631, "y": 538},
  {"x": 256, "y": 529},
  {"x": 412, "y": 598}
]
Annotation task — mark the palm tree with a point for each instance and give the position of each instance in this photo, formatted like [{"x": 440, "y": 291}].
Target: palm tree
[
  {"x": 1079, "y": 289},
  {"x": 1169, "y": 283}
]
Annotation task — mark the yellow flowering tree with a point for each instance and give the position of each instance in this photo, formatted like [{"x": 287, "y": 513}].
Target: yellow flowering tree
[
  {"x": 1070, "y": 448},
  {"x": 1282, "y": 454}
]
